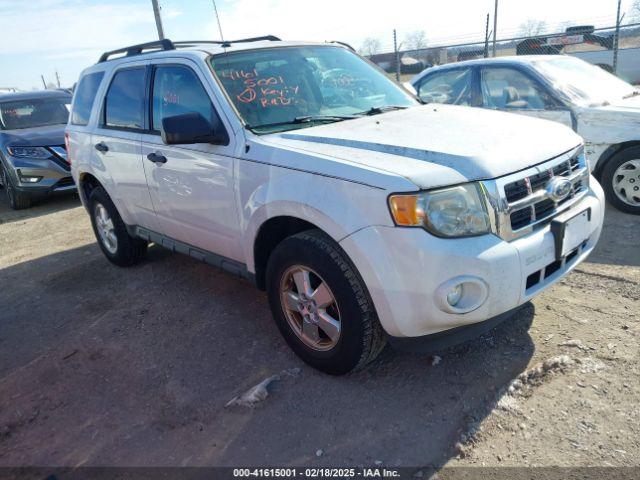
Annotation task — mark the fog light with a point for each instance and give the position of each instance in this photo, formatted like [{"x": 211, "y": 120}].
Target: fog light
[
  {"x": 454, "y": 295},
  {"x": 30, "y": 179},
  {"x": 461, "y": 294}
]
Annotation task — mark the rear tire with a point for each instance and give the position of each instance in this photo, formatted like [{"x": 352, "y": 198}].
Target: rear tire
[
  {"x": 17, "y": 200},
  {"x": 620, "y": 180},
  {"x": 111, "y": 233},
  {"x": 359, "y": 338}
]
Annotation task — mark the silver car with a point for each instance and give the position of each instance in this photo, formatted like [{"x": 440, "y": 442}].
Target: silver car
[
  {"x": 33, "y": 157},
  {"x": 601, "y": 108}
]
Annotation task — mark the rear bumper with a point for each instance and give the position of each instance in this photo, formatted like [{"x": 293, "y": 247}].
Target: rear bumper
[{"x": 407, "y": 270}]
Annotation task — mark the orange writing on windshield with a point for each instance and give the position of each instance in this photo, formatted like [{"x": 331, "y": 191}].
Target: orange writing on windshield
[{"x": 267, "y": 91}]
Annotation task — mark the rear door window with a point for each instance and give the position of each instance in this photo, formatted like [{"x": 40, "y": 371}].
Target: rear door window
[
  {"x": 453, "y": 86},
  {"x": 84, "y": 97},
  {"x": 124, "y": 104}
]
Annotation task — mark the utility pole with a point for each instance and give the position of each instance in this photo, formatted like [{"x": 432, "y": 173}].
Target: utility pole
[
  {"x": 616, "y": 40},
  {"x": 156, "y": 13},
  {"x": 495, "y": 28},
  {"x": 395, "y": 49},
  {"x": 57, "y": 79},
  {"x": 44, "y": 84},
  {"x": 486, "y": 39}
]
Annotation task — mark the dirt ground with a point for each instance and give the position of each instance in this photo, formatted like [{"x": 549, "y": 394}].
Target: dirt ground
[{"x": 105, "y": 366}]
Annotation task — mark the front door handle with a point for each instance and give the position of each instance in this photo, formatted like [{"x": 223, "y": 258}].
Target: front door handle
[
  {"x": 157, "y": 158},
  {"x": 102, "y": 147}
]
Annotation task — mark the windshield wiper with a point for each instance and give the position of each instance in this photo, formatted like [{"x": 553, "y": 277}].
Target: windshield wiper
[
  {"x": 635, "y": 93},
  {"x": 378, "y": 110},
  {"x": 305, "y": 119}
]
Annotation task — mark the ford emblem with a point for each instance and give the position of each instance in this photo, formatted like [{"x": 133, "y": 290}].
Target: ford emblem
[{"x": 559, "y": 189}]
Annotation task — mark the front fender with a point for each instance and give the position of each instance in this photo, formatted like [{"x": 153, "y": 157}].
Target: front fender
[
  {"x": 336, "y": 206},
  {"x": 605, "y": 131}
]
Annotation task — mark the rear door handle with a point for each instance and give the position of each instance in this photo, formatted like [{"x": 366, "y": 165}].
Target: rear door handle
[
  {"x": 102, "y": 147},
  {"x": 156, "y": 158}
]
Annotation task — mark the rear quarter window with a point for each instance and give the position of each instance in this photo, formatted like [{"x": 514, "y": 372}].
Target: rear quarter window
[{"x": 84, "y": 97}]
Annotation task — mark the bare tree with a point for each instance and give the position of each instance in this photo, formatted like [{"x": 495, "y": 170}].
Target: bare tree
[
  {"x": 416, "y": 40},
  {"x": 533, "y": 27},
  {"x": 634, "y": 13},
  {"x": 370, "y": 46},
  {"x": 562, "y": 26}
]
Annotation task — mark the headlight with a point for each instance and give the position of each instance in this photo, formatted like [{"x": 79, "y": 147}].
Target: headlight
[
  {"x": 449, "y": 212},
  {"x": 30, "y": 152}
]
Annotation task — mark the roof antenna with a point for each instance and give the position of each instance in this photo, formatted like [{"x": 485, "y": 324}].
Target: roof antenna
[{"x": 215, "y": 8}]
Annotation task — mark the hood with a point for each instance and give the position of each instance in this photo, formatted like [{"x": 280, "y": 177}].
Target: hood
[
  {"x": 435, "y": 145},
  {"x": 34, "y": 137},
  {"x": 631, "y": 104}
]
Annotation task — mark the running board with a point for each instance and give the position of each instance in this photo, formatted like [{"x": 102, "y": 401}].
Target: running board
[{"x": 234, "y": 267}]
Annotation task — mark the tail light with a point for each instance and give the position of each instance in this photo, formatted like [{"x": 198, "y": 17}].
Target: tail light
[{"x": 67, "y": 145}]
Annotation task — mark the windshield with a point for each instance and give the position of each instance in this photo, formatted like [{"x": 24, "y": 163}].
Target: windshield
[
  {"x": 283, "y": 88},
  {"x": 582, "y": 82},
  {"x": 35, "y": 112}
]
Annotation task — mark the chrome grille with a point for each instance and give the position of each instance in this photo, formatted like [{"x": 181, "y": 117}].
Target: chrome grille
[
  {"x": 60, "y": 156},
  {"x": 523, "y": 200},
  {"x": 60, "y": 151}
]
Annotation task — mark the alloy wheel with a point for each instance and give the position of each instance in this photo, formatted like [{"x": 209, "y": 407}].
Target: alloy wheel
[
  {"x": 106, "y": 229},
  {"x": 310, "y": 307}
]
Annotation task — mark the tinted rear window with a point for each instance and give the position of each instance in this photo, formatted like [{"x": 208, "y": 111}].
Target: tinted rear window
[
  {"x": 84, "y": 96},
  {"x": 124, "y": 106}
]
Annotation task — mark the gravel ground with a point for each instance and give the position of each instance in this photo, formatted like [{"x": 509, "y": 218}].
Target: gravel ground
[{"x": 107, "y": 366}]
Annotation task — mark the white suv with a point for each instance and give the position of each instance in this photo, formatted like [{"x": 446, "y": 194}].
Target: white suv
[{"x": 365, "y": 215}]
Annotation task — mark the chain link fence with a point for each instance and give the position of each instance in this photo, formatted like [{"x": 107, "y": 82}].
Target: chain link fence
[{"x": 594, "y": 45}]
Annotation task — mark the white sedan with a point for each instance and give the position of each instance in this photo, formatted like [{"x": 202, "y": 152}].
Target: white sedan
[{"x": 597, "y": 105}]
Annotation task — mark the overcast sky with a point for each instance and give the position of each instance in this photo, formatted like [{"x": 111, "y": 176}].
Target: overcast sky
[{"x": 42, "y": 36}]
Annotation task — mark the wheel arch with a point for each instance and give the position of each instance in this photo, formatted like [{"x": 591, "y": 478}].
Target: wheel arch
[
  {"x": 610, "y": 152},
  {"x": 269, "y": 235},
  {"x": 87, "y": 183}
]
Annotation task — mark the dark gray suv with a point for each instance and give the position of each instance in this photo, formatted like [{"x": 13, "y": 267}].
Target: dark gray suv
[{"x": 33, "y": 157}]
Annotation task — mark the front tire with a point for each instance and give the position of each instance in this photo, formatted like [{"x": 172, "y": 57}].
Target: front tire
[
  {"x": 17, "y": 200},
  {"x": 115, "y": 242},
  {"x": 321, "y": 305},
  {"x": 621, "y": 180}
]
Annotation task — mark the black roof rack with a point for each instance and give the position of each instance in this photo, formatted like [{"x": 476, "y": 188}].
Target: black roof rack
[
  {"x": 138, "y": 49},
  {"x": 344, "y": 44},
  {"x": 169, "y": 45},
  {"x": 227, "y": 43}
]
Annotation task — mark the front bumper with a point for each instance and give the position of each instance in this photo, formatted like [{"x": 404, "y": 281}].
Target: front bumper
[
  {"x": 55, "y": 175},
  {"x": 405, "y": 270}
]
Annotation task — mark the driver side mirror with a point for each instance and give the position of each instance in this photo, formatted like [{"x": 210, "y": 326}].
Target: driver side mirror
[{"x": 189, "y": 128}]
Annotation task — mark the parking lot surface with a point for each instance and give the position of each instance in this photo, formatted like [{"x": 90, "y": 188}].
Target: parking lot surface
[{"x": 107, "y": 366}]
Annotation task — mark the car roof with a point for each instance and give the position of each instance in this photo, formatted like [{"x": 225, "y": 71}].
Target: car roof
[
  {"x": 519, "y": 59},
  {"x": 210, "y": 48},
  {"x": 34, "y": 95},
  {"x": 198, "y": 49},
  {"x": 215, "y": 48}
]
